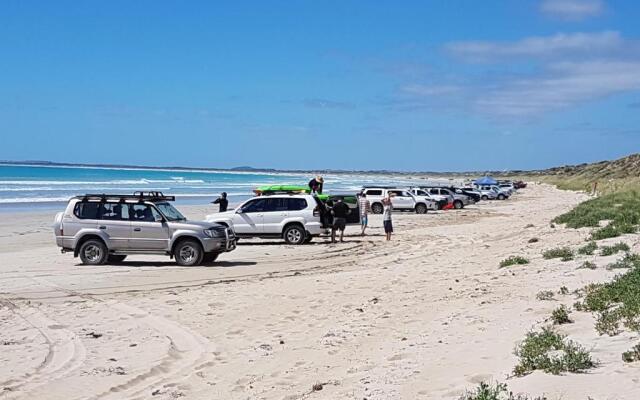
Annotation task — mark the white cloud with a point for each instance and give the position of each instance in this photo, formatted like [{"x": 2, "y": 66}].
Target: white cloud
[
  {"x": 558, "y": 45},
  {"x": 572, "y": 9},
  {"x": 563, "y": 85},
  {"x": 429, "y": 90}
]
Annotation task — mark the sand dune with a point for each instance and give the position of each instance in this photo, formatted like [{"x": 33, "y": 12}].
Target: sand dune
[{"x": 426, "y": 315}]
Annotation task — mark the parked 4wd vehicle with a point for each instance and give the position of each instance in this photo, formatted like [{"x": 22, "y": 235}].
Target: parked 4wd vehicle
[
  {"x": 297, "y": 218},
  {"x": 103, "y": 228},
  {"x": 434, "y": 202},
  {"x": 457, "y": 199},
  {"x": 403, "y": 199}
]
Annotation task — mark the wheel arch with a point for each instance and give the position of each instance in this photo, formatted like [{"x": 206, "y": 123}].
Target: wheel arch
[
  {"x": 179, "y": 238},
  {"x": 87, "y": 236}
]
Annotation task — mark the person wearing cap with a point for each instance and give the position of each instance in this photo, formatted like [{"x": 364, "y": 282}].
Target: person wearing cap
[
  {"x": 222, "y": 200},
  {"x": 315, "y": 184}
]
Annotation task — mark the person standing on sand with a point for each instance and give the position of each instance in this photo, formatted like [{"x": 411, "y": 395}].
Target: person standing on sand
[
  {"x": 340, "y": 211},
  {"x": 365, "y": 207},
  {"x": 222, "y": 200},
  {"x": 315, "y": 184},
  {"x": 386, "y": 216}
]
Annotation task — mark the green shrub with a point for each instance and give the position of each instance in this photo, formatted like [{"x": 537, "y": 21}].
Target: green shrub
[
  {"x": 545, "y": 295},
  {"x": 588, "y": 265},
  {"x": 617, "y": 301},
  {"x": 632, "y": 355},
  {"x": 564, "y": 290},
  {"x": 560, "y": 315},
  {"x": 610, "y": 250},
  {"x": 513, "y": 260},
  {"x": 499, "y": 391},
  {"x": 588, "y": 249},
  {"x": 628, "y": 261},
  {"x": 612, "y": 230},
  {"x": 563, "y": 253},
  {"x": 622, "y": 209},
  {"x": 550, "y": 352}
]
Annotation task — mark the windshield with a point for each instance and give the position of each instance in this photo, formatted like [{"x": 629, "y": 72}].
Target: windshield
[{"x": 169, "y": 212}]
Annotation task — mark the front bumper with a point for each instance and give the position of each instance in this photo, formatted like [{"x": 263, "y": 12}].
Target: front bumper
[{"x": 220, "y": 245}]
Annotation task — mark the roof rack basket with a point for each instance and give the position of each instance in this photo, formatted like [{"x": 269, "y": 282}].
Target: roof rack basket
[{"x": 140, "y": 196}]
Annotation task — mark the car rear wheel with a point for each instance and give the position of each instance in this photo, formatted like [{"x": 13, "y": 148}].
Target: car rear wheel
[
  {"x": 116, "y": 258},
  {"x": 485, "y": 197},
  {"x": 188, "y": 253},
  {"x": 458, "y": 204},
  {"x": 421, "y": 209},
  {"x": 501, "y": 197},
  {"x": 210, "y": 257},
  {"x": 377, "y": 208},
  {"x": 93, "y": 252},
  {"x": 294, "y": 234}
]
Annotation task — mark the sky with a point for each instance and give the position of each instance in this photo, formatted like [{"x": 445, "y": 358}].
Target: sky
[{"x": 397, "y": 85}]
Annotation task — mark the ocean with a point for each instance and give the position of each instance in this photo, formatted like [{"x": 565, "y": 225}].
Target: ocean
[{"x": 27, "y": 187}]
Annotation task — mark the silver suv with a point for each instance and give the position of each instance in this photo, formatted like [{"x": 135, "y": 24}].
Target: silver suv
[{"x": 106, "y": 228}]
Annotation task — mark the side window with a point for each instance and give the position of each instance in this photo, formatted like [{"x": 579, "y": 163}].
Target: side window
[
  {"x": 276, "y": 204},
  {"x": 374, "y": 192},
  {"x": 143, "y": 213},
  {"x": 396, "y": 192},
  {"x": 405, "y": 194},
  {"x": 113, "y": 211},
  {"x": 433, "y": 191},
  {"x": 421, "y": 193},
  {"x": 296, "y": 204},
  {"x": 86, "y": 210},
  {"x": 257, "y": 205}
]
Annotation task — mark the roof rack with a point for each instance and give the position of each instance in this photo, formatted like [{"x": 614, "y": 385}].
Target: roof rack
[{"x": 140, "y": 196}]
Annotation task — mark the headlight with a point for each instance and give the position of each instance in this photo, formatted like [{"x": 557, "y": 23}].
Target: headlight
[{"x": 213, "y": 233}]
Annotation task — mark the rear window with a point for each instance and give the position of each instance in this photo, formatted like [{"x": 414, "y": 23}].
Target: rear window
[
  {"x": 374, "y": 192},
  {"x": 297, "y": 204},
  {"x": 86, "y": 210}
]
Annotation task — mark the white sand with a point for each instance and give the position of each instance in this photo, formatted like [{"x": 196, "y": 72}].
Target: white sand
[{"x": 424, "y": 316}]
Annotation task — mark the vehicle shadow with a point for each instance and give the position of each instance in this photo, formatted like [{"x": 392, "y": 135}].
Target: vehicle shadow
[
  {"x": 164, "y": 264},
  {"x": 316, "y": 242}
]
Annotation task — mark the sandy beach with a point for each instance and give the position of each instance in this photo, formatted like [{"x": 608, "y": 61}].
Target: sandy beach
[{"x": 424, "y": 316}]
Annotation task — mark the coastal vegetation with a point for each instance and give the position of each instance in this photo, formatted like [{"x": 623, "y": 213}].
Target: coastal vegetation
[{"x": 513, "y": 260}]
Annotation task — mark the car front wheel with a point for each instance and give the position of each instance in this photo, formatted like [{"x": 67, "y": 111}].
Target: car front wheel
[
  {"x": 188, "y": 253},
  {"x": 485, "y": 197},
  {"x": 458, "y": 204},
  {"x": 501, "y": 197},
  {"x": 294, "y": 234},
  {"x": 421, "y": 209},
  {"x": 93, "y": 252}
]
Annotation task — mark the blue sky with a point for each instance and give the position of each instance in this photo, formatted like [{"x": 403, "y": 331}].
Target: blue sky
[{"x": 424, "y": 85}]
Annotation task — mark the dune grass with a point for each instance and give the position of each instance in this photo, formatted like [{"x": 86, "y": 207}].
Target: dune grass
[
  {"x": 560, "y": 315},
  {"x": 632, "y": 355},
  {"x": 513, "y": 260},
  {"x": 550, "y": 352},
  {"x": 563, "y": 253},
  {"x": 616, "y": 302},
  {"x": 621, "y": 209},
  {"x": 610, "y": 250},
  {"x": 588, "y": 249},
  {"x": 498, "y": 391}
]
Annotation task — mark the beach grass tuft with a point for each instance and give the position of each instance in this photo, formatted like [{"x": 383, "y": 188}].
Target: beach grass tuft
[
  {"x": 632, "y": 355},
  {"x": 550, "y": 352},
  {"x": 545, "y": 295},
  {"x": 588, "y": 249},
  {"x": 560, "y": 315},
  {"x": 611, "y": 250},
  {"x": 617, "y": 302},
  {"x": 513, "y": 260},
  {"x": 498, "y": 391},
  {"x": 563, "y": 253}
]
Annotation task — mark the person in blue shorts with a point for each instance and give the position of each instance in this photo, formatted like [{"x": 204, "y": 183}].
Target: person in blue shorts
[{"x": 365, "y": 207}]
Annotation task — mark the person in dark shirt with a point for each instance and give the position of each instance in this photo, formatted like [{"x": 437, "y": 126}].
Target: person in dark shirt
[
  {"x": 340, "y": 211},
  {"x": 222, "y": 200},
  {"x": 315, "y": 185}
]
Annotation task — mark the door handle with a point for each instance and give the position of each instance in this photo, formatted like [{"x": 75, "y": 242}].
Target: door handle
[
  {"x": 103, "y": 227},
  {"x": 137, "y": 229}
]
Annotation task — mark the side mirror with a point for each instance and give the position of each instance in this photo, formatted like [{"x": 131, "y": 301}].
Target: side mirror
[
  {"x": 239, "y": 211},
  {"x": 159, "y": 218}
]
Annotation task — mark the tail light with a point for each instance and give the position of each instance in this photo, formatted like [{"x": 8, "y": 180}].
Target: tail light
[{"x": 316, "y": 212}]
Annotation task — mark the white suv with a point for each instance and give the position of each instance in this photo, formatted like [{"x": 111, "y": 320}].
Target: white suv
[
  {"x": 403, "y": 200},
  {"x": 296, "y": 218}
]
